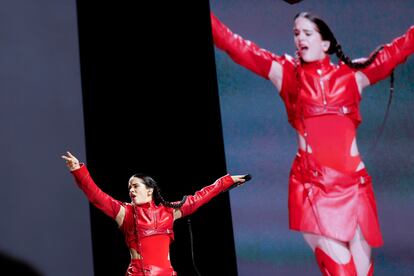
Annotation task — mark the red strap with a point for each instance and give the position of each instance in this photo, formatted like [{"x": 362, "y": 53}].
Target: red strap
[{"x": 329, "y": 267}]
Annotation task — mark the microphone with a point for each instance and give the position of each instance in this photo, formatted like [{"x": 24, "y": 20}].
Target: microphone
[{"x": 246, "y": 178}]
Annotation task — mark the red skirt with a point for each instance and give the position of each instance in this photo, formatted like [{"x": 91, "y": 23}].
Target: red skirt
[
  {"x": 331, "y": 203},
  {"x": 138, "y": 268}
]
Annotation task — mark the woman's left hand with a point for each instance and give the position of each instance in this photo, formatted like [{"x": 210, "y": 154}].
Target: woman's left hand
[{"x": 71, "y": 161}]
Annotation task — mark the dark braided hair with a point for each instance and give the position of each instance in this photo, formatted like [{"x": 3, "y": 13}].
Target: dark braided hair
[
  {"x": 151, "y": 183},
  {"x": 335, "y": 47}
]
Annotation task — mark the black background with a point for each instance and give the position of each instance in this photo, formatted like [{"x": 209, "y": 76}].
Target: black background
[{"x": 151, "y": 105}]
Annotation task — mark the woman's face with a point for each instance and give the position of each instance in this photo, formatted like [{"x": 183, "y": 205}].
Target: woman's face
[
  {"x": 309, "y": 41},
  {"x": 138, "y": 192}
]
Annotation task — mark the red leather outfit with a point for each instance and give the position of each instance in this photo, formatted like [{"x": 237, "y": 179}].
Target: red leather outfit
[
  {"x": 147, "y": 228},
  {"x": 327, "y": 196},
  {"x": 324, "y": 200}
]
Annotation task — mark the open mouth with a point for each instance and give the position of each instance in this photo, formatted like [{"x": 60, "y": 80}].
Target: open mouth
[{"x": 303, "y": 48}]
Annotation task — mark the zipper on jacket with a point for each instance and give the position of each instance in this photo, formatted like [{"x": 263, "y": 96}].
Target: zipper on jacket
[
  {"x": 155, "y": 219},
  {"x": 322, "y": 88}
]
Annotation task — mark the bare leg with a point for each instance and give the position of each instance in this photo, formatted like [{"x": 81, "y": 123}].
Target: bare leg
[{"x": 361, "y": 252}]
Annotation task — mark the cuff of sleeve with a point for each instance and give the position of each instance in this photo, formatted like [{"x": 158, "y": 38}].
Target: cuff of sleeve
[
  {"x": 227, "y": 181},
  {"x": 81, "y": 171}
]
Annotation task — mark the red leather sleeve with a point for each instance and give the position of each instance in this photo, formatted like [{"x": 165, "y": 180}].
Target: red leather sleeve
[
  {"x": 203, "y": 196},
  {"x": 96, "y": 196},
  {"x": 390, "y": 56},
  {"x": 243, "y": 52}
]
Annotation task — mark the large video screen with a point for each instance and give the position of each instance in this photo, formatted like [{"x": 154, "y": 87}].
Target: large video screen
[
  {"x": 45, "y": 228},
  {"x": 259, "y": 140}
]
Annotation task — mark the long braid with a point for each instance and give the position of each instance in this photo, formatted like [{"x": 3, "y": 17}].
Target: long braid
[
  {"x": 159, "y": 197},
  {"x": 143, "y": 270},
  {"x": 354, "y": 64},
  {"x": 384, "y": 120},
  {"x": 361, "y": 65}
]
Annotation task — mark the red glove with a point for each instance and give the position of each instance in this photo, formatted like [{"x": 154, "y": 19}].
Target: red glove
[
  {"x": 390, "y": 56},
  {"x": 203, "y": 196},
  {"x": 96, "y": 196},
  {"x": 243, "y": 52}
]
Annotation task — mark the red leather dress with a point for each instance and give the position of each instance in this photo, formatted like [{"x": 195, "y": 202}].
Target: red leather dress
[
  {"x": 325, "y": 197},
  {"x": 147, "y": 228}
]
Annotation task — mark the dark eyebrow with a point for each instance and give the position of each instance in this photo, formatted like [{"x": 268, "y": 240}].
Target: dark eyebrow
[{"x": 305, "y": 30}]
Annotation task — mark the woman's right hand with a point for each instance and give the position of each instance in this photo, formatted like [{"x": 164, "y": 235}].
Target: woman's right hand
[{"x": 71, "y": 161}]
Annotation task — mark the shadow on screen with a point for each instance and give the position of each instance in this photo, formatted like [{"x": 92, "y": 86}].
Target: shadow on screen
[{"x": 16, "y": 266}]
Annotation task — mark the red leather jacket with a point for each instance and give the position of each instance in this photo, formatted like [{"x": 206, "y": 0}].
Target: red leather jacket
[
  {"x": 151, "y": 219},
  {"x": 323, "y": 89}
]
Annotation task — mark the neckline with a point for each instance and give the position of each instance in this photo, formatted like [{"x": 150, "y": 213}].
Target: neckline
[
  {"x": 319, "y": 66},
  {"x": 146, "y": 204}
]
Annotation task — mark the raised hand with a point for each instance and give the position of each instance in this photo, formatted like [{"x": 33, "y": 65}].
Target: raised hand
[
  {"x": 71, "y": 161},
  {"x": 240, "y": 179}
]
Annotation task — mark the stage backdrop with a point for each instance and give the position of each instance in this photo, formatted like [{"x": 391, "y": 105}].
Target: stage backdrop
[
  {"x": 258, "y": 138},
  {"x": 45, "y": 228}
]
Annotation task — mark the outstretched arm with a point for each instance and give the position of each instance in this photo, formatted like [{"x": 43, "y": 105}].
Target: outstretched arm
[
  {"x": 246, "y": 53},
  {"x": 96, "y": 196},
  {"x": 204, "y": 195},
  {"x": 391, "y": 55}
]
